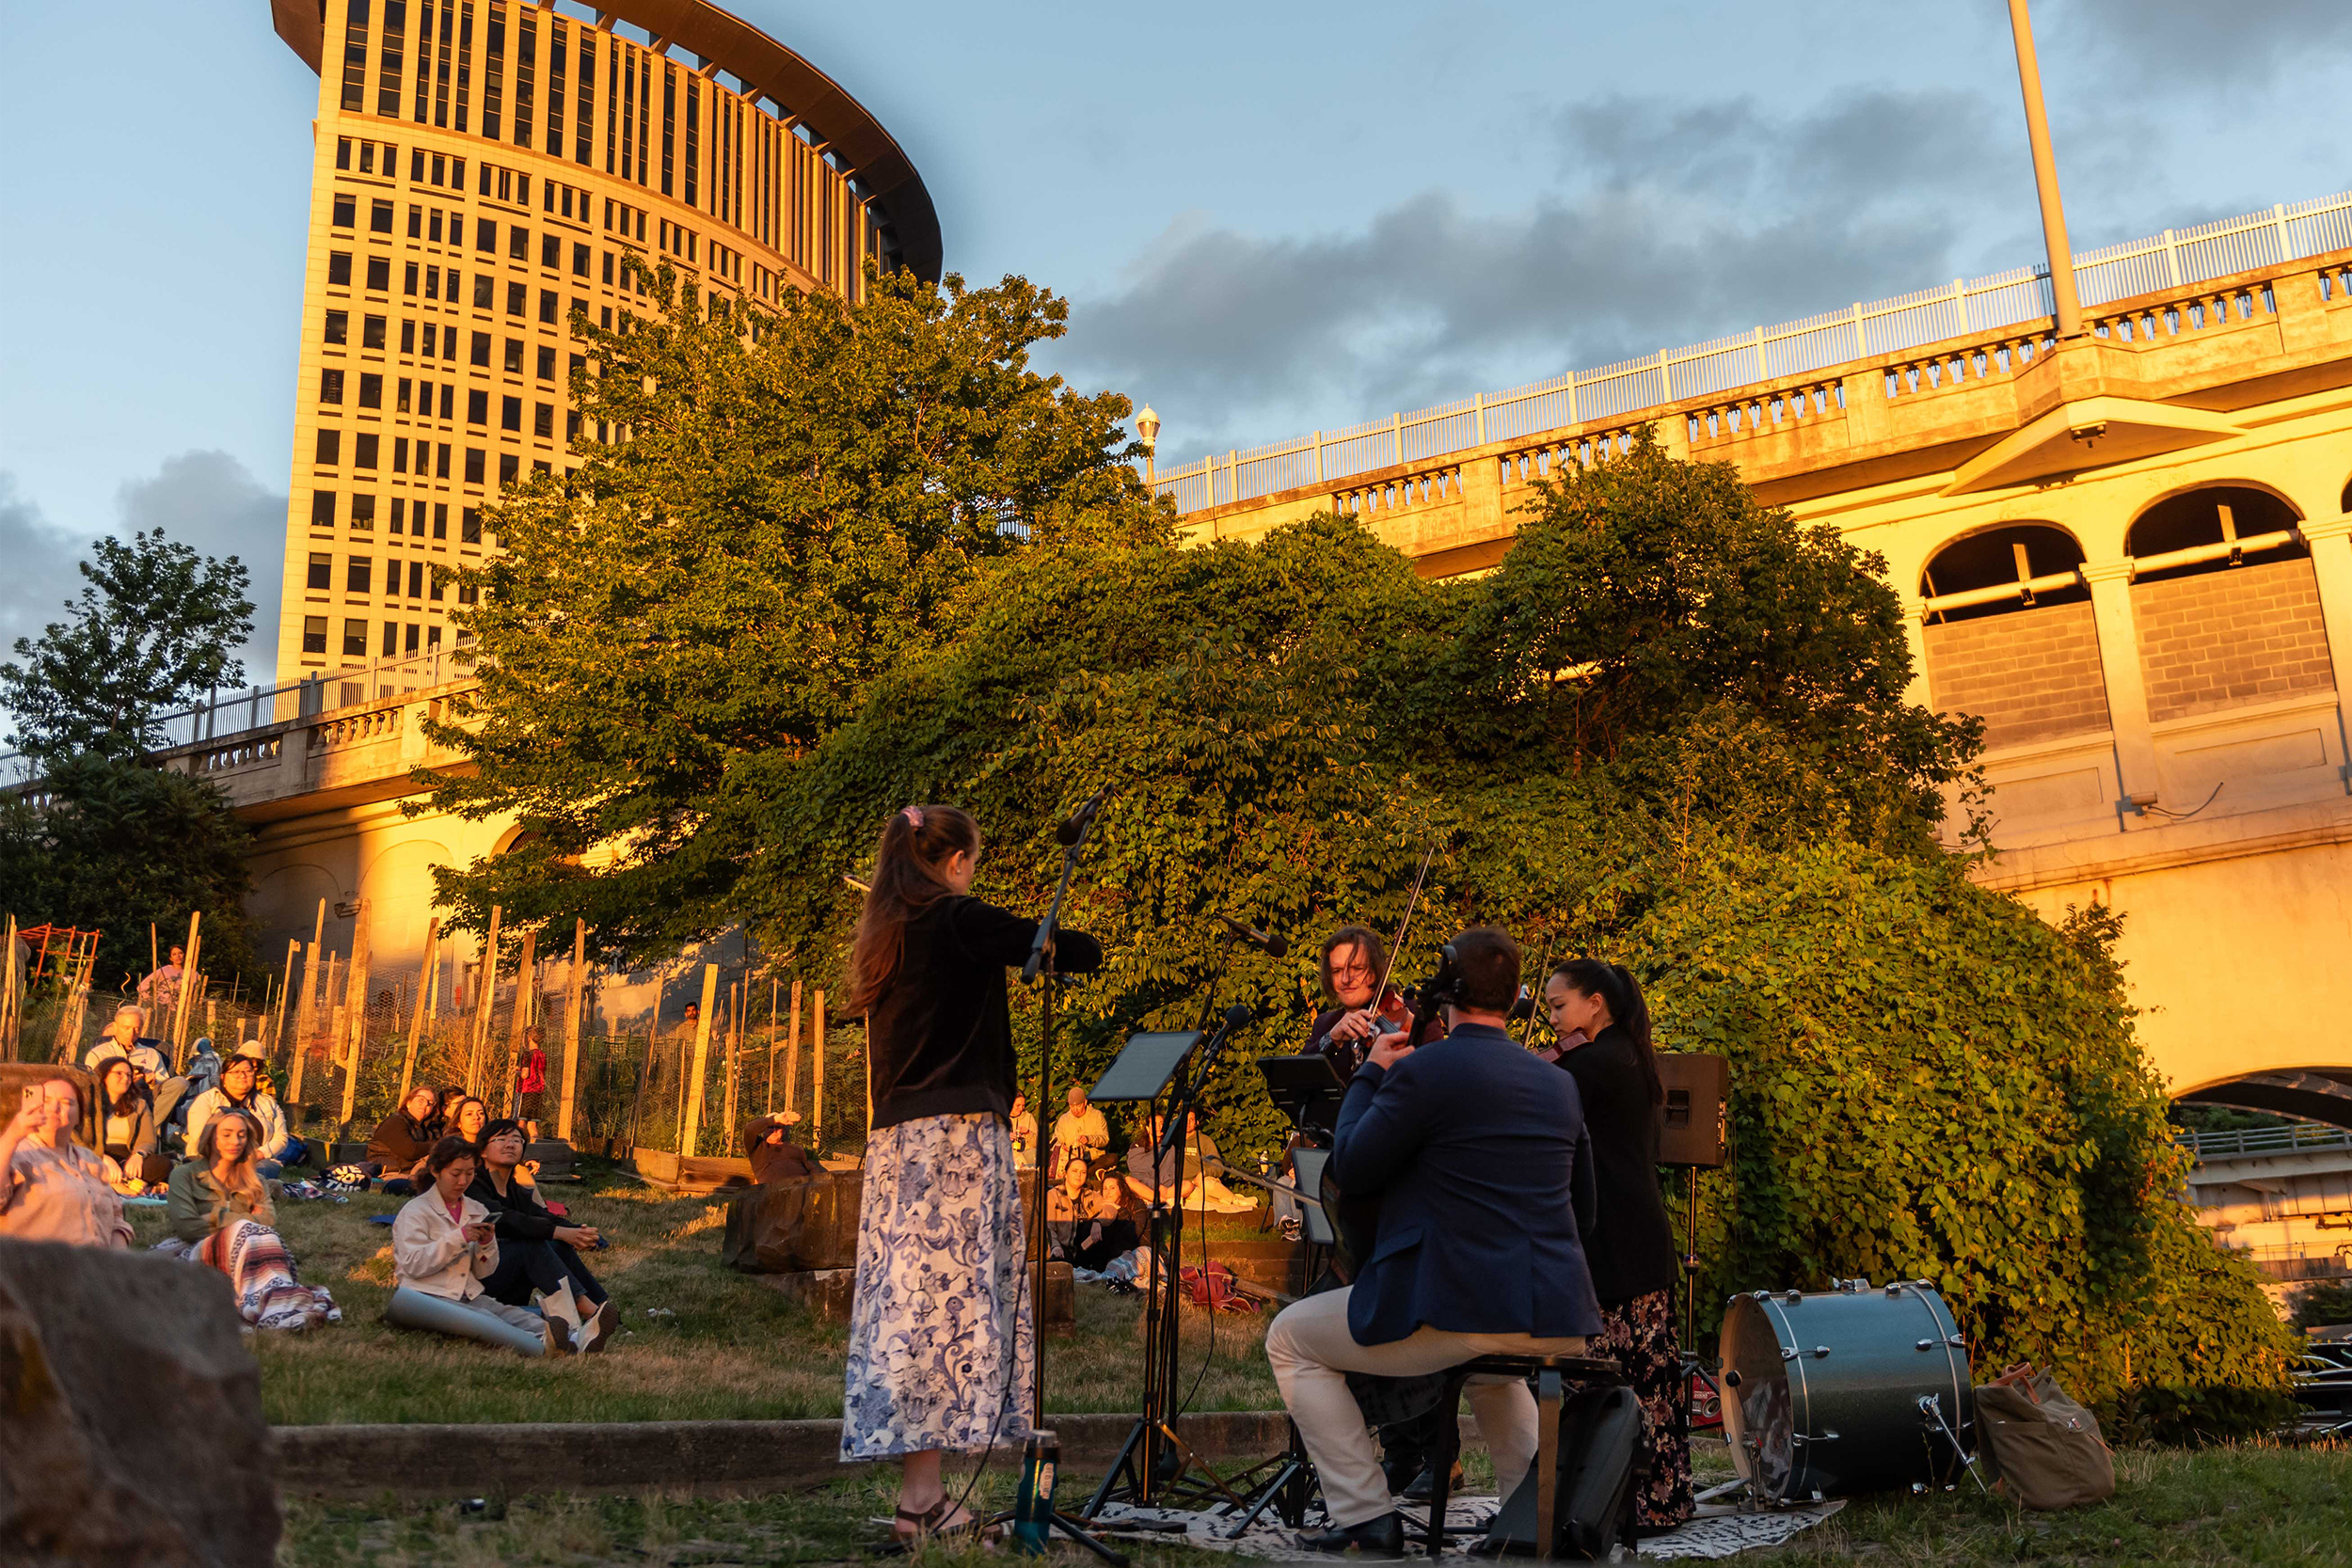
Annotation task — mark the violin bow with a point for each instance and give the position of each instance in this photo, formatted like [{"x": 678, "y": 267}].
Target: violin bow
[{"x": 1396, "y": 943}]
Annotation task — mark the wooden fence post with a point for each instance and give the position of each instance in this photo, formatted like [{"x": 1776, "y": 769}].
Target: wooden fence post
[
  {"x": 792, "y": 1052},
  {"x": 277, "y": 1032},
  {"x": 9, "y": 998},
  {"x": 775, "y": 995},
  {"x": 356, "y": 1012},
  {"x": 526, "y": 997},
  {"x": 571, "y": 1030},
  {"x": 702, "y": 1057},
  {"x": 309, "y": 1006},
  {"x": 424, "y": 991},
  {"x": 816, "y": 1075},
  {"x": 734, "y": 1061},
  {"x": 180, "y": 1012},
  {"x": 486, "y": 992}
]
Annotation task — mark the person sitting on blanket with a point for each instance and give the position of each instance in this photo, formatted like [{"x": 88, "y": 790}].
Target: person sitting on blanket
[
  {"x": 1213, "y": 1195},
  {"x": 126, "y": 1133},
  {"x": 1088, "y": 1226},
  {"x": 240, "y": 1089},
  {"x": 536, "y": 1250},
  {"x": 443, "y": 1248},
  {"x": 52, "y": 1189},
  {"x": 397, "y": 1149},
  {"x": 219, "y": 1214}
]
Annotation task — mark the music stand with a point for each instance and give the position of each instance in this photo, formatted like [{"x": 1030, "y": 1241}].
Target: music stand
[{"x": 1143, "y": 1068}]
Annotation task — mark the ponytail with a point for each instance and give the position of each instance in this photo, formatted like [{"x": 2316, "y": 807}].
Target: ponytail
[
  {"x": 1629, "y": 1010},
  {"x": 909, "y": 877}
]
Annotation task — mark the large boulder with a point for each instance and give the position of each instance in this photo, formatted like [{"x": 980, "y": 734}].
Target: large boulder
[{"x": 131, "y": 1425}]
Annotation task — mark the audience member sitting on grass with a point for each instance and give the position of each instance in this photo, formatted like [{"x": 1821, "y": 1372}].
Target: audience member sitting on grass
[
  {"x": 1023, "y": 1132},
  {"x": 1200, "y": 1152},
  {"x": 52, "y": 1189},
  {"x": 536, "y": 1250},
  {"x": 220, "y": 1215},
  {"x": 1080, "y": 1131},
  {"x": 443, "y": 1248},
  {"x": 775, "y": 1158},
  {"x": 1087, "y": 1224},
  {"x": 125, "y": 1038},
  {"x": 240, "y": 1077},
  {"x": 397, "y": 1149},
  {"x": 128, "y": 1155},
  {"x": 466, "y": 1118},
  {"x": 1178, "y": 1173}
]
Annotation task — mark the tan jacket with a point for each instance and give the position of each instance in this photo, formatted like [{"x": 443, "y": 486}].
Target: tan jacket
[{"x": 432, "y": 1255}]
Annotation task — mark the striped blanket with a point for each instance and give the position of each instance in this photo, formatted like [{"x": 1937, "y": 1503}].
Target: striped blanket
[{"x": 262, "y": 1273}]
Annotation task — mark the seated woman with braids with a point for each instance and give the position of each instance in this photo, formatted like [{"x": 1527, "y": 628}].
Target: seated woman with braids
[
  {"x": 219, "y": 1214},
  {"x": 536, "y": 1250},
  {"x": 443, "y": 1248}
]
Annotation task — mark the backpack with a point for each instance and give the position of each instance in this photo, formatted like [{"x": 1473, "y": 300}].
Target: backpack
[
  {"x": 1213, "y": 1287},
  {"x": 2041, "y": 1445},
  {"x": 1603, "y": 1462}
]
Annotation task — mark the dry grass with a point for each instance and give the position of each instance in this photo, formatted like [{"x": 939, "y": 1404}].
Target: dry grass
[{"x": 700, "y": 1342}]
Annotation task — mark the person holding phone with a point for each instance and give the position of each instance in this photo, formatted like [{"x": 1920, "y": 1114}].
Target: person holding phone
[
  {"x": 52, "y": 1189},
  {"x": 443, "y": 1248}
]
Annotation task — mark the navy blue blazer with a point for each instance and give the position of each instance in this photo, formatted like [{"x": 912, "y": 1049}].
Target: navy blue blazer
[{"x": 1478, "y": 1154}]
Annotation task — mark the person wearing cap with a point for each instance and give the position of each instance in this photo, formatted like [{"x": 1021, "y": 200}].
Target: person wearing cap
[
  {"x": 537, "y": 1251},
  {"x": 239, "y": 1079}
]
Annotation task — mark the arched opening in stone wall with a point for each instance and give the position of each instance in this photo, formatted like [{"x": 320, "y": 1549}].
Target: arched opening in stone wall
[
  {"x": 2225, "y": 602},
  {"x": 2010, "y": 635},
  {"x": 2317, "y": 1093}
]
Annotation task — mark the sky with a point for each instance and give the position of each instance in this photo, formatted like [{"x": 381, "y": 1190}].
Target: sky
[{"x": 1268, "y": 218}]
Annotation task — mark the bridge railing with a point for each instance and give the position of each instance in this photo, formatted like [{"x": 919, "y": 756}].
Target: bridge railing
[
  {"x": 2244, "y": 1141},
  {"x": 2287, "y": 232}
]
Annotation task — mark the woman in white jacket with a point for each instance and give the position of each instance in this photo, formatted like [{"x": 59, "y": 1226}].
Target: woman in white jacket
[{"x": 443, "y": 1248}]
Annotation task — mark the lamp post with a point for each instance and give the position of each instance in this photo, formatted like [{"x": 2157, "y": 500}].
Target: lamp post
[
  {"x": 1148, "y": 432},
  {"x": 2067, "y": 309}
]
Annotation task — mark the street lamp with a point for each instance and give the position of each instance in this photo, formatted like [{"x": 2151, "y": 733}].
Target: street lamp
[{"x": 1148, "y": 432}]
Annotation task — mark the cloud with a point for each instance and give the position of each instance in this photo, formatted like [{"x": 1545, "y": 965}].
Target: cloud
[
  {"x": 2182, "y": 42},
  {"x": 210, "y": 501},
  {"x": 40, "y": 573},
  {"x": 1667, "y": 224}
]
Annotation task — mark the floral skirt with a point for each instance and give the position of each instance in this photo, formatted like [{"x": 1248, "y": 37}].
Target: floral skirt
[
  {"x": 942, "y": 1330},
  {"x": 1639, "y": 1336}
]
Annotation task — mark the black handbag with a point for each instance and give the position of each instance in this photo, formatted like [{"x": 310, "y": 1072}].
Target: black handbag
[{"x": 1603, "y": 1462}]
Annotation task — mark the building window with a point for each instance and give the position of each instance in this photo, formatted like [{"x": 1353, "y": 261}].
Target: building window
[
  {"x": 359, "y": 574},
  {"x": 510, "y": 416},
  {"x": 338, "y": 326},
  {"x": 408, "y": 336},
  {"x": 380, "y": 273},
  {"x": 339, "y": 269},
  {"x": 541, "y": 423},
  {"x": 440, "y": 464},
  {"x": 363, "y": 448},
  {"x": 363, "y": 514},
  {"x": 413, "y": 631},
  {"x": 449, "y": 410},
  {"x": 485, "y": 290},
  {"x": 432, "y": 585},
  {"x": 321, "y": 580},
  {"x": 379, "y": 217},
  {"x": 470, "y": 526},
  {"x": 392, "y": 638},
  {"x": 408, "y": 280},
  {"x": 510, "y": 469},
  {"x": 372, "y": 332},
  {"x": 354, "y": 640},
  {"x": 514, "y": 356},
  {"x": 473, "y": 463},
  {"x": 314, "y": 634},
  {"x": 400, "y": 402},
  {"x": 481, "y": 354},
  {"x": 467, "y": 593},
  {"x": 485, "y": 235},
  {"x": 387, "y": 64},
  {"x": 371, "y": 389},
  {"x": 331, "y": 387},
  {"x": 342, "y": 152},
  {"x": 608, "y": 267},
  {"x": 441, "y": 517},
  {"x": 399, "y": 512},
  {"x": 551, "y": 251},
  {"x": 330, "y": 450},
  {"x": 580, "y": 260},
  {"x": 477, "y": 408},
  {"x": 346, "y": 210},
  {"x": 547, "y": 362},
  {"x": 400, "y": 444},
  {"x": 321, "y": 509},
  {"x": 550, "y": 306},
  {"x": 517, "y": 298},
  {"x": 416, "y": 580},
  {"x": 518, "y": 243}
]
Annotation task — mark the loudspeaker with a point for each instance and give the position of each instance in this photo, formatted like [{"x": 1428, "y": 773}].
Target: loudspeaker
[{"x": 1694, "y": 1123}]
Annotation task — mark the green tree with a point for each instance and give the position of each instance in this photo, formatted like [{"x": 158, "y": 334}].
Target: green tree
[
  {"x": 798, "y": 498},
  {"x": 116, "y": 845},
  {"x": 157, "y": 627}
]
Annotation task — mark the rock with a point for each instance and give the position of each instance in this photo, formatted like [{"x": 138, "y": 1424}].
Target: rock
[{"x": 131, "y": 1426}]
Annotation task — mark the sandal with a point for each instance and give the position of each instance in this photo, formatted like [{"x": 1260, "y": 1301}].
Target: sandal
[{"x": 911, "y": 1528}]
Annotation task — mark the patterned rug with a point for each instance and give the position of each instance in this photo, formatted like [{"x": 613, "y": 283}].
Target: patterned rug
[{"x": 1718, "y": 1531}]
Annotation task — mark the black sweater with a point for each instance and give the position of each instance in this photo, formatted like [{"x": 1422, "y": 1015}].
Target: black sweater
[
  {"x": 517, "y": 1214},
  {"x": 1632, "y": 1251},
  {"x": 939, "y": 1039}
]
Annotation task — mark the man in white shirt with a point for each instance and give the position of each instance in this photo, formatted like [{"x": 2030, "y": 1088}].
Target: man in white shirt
[
  {"x": 125, "y": 1038},
  {"x": 1081, "y": 1131}
]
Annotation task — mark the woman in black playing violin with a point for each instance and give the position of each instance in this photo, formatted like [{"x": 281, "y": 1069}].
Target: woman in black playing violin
[{"x": 1632, "y": 1251}]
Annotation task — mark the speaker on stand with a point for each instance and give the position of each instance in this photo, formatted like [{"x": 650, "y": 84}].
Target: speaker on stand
[{"x": 1695, "y": 1134}]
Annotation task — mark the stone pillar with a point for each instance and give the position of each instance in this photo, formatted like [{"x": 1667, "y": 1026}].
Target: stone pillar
[
  {"x": 1918, "y": 694},
  {"x": 2127, "y": 693},
  {"x": 2330, "y": 545}
]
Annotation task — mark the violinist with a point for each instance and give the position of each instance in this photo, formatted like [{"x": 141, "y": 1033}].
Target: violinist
[{"x": 1354, "y": 964}]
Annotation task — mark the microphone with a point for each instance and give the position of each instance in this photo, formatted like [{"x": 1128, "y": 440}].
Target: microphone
[
  {"x": 1074, "y": 830},
  {"x": 1269, "y": 943}
]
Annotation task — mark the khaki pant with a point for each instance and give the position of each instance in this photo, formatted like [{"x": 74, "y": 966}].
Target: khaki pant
[{"x": 1312, "y": 1350}]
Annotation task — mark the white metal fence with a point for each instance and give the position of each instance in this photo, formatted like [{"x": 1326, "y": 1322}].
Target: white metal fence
[{"x": 2175, "y": 258}]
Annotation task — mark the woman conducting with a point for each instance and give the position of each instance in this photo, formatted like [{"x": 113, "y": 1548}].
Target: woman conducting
[
  {"x": 1632, "y": 1250},
  {"x": 940, "y": 1327}
]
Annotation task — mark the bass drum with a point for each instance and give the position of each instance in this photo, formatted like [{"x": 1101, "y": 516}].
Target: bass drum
[{"x": 1844, "y": 1391}]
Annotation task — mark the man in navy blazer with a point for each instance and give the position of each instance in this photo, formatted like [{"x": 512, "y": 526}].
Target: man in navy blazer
[{"x": 1477, "y": 1151}]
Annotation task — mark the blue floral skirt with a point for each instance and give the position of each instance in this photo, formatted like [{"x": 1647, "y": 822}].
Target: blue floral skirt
[{"x": 941, "y": 1331}]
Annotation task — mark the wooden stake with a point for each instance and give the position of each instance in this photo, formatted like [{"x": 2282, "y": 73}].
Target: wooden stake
[
  {"x": 733, "y": 1065},
  {"x": 9, "y": 999},
  {"x": 645, "y": 1069},
  {"x": 687, "y": 1139},
  {"x": 792, "y": 1052},
  {"x": 486, "y": 989},
  {"x": 154, "y": 963},
  {"x": 526, "y": 993},
  {"x": 775, "y": 996},
  {"x": 356, "y": 1012},
  {"x": 425, "y": 992},
  {"x": 816, "y": 1085},
  {"x": 180, "y": 1014},
  {"x": 571, "y": 1030}
]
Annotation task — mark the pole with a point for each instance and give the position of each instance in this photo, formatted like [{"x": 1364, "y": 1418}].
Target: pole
[
  {"x": 571, "y": 1030},
  {"x": 285, "y": 988},
  {"x": 816, "y": 1075},
  {"x": 734, "y": 1063},
  {"x": 775, "y": 997},
  {"x": 486, "y": 989},
  {"x": 416, "y": 1024},
  {"x": 792, "y": 1054},
  {"x": 9, "y": 998},
  {"x": 355, "y": 1013},
  {"x": 526, "y": 992},
  {"x": 2068, "y": 309},
  {"x": 687, "y": 1139},
  {"x": 179, "y": 1011}
]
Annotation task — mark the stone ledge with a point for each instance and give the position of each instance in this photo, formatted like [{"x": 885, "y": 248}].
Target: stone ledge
[{"x": 707, "y": 1458}]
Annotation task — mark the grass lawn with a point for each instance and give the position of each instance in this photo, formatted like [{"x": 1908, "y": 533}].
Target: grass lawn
[
  {"x": 701, "y": 1341},
  {"x": 2232, "y": 1505}
]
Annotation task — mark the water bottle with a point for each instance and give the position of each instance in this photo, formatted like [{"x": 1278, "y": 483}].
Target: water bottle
[{"x": 1033, "y": 1512}]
